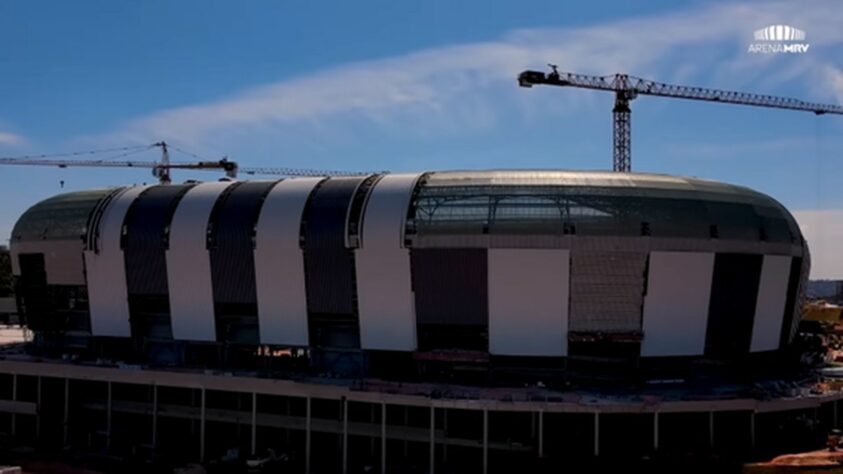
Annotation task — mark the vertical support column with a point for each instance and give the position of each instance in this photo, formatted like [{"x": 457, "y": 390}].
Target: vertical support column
[
  {"x": 406, "y": 422},
  {"x": 307, "y": 439},
  {"x": 14, "y": 399},
  {"x": 254, "y": 422},
  {"x": 372, "y": 438},
  {"x": 655, "y": 431},
  {"x": 38, "y": 409},
  {"x": 752, "y": 429},
  {"x": 202, "y": 425},
  {"x": 596, "y": 434},
  {"x": 541, "y": 433},
  {"x": 711, "y": 429},
  {"x": 344, "y": 435},
  {"x": 287, "y": 412},
  {"x": 383, "y": 438},
  {"x": 432, "y": 439},
  {"x": 445, "y": 438},
  {"x": 66, "y": 413},
  {"x": 485, "y": 441},
  {"x": 154, "y": 418},
  {"x": 108, "y": 415}
]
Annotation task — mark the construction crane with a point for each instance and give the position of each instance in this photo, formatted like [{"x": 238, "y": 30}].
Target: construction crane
[
  {"x": 161, "y": 169},
  {"x": 627, "y": 88}
]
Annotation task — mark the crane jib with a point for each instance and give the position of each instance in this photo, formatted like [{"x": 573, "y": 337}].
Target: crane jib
[{"x": 627, "y": 88}]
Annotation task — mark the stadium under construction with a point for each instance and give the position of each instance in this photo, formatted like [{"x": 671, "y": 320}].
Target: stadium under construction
[{"x": 444, "y": 321}]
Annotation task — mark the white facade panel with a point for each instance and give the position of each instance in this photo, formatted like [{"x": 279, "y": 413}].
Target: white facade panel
[
  {"x": 189, "y": 265},
  {"x": 279, "y": 264},
  {"x": 384, "y": 290},
  {"x": 528, "y": 302},
  {"x": 676, "y": 305},
  {"x": 105, "y": 270},
  {"x": 769, "y": 308}
]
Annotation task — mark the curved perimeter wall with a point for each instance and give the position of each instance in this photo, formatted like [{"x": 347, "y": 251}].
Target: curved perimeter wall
[{"x": 547, "y": 264}]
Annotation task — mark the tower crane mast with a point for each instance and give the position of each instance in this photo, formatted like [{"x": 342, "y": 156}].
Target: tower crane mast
[{"x": 627, "y": 88}]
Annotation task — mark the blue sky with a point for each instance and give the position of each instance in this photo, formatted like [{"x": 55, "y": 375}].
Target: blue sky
[{"x": 427, "y": 85}]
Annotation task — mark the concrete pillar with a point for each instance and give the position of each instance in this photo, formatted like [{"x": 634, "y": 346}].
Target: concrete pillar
[
  {"x": 344, "y": 435},
  {"x": 202, "y": 425},
  {"x": 254, "y": 422},
  {"x": 154, "y": 418},
  {"x": 711, "y": 429},
  {"x": 752, "y": 429},
  {"x": 485, "y": 441},
  {"x": 445, "y": 440},
  {"x": 383, "y": 438},
  {"x": 655, "y": 431},
  {"x": 14, "y": 399},
  {"x": 541, "y": 433},
  {"x": 372, "y": 438},
  {"x": 38, "y": 409},
  {"x": 66, "y": 413},
  {"x": 108, "y": 415},
  {"x": 596, "y": 434},
  {"x": 307, "y": 439},
  {"x": 406, "y": 422},
  {"x": 432, "y": 439},
  {"x": 288, "y": 412}
]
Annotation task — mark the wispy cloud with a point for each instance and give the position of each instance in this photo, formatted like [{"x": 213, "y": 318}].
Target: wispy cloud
[
  {"x": 824, "y": 231},
  {"x": 11, "y": 139},
  {"x": 470, "y": 85}
]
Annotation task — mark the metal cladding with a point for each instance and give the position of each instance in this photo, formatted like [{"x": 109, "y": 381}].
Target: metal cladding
[
  {"x": 384, "y": 286},
  {"x": 106, "y": 269},
  {"x": 279, "y": 264},
  {"x": 145, "y": 239},
  {"x": 189, "y": 265},
  {"x": 528, "y": 300},
  {"x": 329, "y": 265},
  {"x": 511, "y": 263},
  {"x": 677, "y": 280},
  {"x": 734, "y": 292}
]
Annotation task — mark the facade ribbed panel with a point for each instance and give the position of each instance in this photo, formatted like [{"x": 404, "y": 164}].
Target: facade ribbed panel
[
  {"x": 329, "y": 265},
  {"x": 144, "y": 243},
  {"x": 232, "y": 228},
  {"x": 607, "y": 290},
  {"x": 734, "y": 294}
]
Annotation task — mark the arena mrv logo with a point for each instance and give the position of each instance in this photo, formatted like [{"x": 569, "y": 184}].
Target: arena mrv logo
[{"x": 776, "y": 39}]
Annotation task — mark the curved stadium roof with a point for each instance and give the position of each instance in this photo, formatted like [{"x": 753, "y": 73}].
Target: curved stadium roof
[{"x": 530, "y": 202}]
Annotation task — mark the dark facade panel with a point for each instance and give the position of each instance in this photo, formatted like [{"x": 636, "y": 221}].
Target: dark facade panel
[
  {"x": 731, "y": 311},
  {"x": 607, "y": 290},
  {"x": 329, "y": 265},
  {"x": 144, "y": 243},
  {"x": 452, "y": 301},
  {"x": 451, "y": 286},
  {"x": 32, "y": 291},
  {"x": 231, "y": 246},
  {"x": 144, "y": 239},
  {"x": 791, "y": 301},
  {"x": 734, "y": 221}
]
